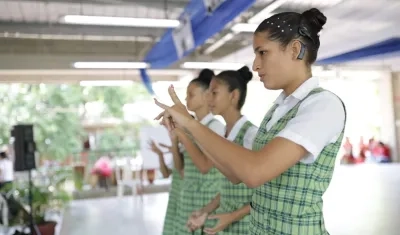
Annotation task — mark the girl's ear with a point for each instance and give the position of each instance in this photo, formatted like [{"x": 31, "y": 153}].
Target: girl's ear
[{"x": 235, "y": 95}]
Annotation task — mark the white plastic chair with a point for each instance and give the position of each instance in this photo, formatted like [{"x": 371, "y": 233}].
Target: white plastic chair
[{"x": 125, "y": 178}]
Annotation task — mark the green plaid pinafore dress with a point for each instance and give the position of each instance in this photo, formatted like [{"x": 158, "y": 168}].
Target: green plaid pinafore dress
[
  {"x": 291, "y": 204},
  {"x": 197, "y": 190},
  {"x": 173, "y": 201},
  {"x": 235, "y": 196}
]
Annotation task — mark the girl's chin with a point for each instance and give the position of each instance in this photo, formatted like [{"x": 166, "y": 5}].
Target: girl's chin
[
  {"x": 269, "y": 85},
  {"x": 214, "y": 112}
]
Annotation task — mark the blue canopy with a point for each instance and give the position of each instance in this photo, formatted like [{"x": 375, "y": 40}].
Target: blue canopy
[
  {"x": 387, "y": 47},
  {"x": 204, "y": 23}
]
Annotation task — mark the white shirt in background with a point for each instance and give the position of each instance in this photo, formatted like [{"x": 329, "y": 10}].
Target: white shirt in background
[{"x": 6, "y": 170}]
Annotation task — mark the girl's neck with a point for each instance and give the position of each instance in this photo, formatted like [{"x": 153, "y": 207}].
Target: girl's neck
[
  {"x": 201, "y": 113},
  {"x": 231, "y": 117},
  {"x": 297, "y": 83}
]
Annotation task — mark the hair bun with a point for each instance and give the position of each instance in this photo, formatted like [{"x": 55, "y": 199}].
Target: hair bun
[
  {"x": 245, "y": 73},
  {"x": 206, "y": 75},
  {"x": 315, "y": 18}
]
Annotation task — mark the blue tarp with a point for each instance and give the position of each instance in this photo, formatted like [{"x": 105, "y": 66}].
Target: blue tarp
[
  {"x": 379, "y": 49},
  {"x": 204, "y": 26}
]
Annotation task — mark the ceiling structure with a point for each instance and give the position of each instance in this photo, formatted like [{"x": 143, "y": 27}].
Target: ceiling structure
[
  {"x": 35, "y": 46},
  {"x": 352, "y": 24}
]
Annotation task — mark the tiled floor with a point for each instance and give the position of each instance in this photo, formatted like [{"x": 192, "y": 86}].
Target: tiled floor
[
  {"x": 362, "y": 200},
  {"x": 113, "y": 216}
]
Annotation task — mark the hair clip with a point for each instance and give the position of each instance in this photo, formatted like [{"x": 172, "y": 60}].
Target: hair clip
[
  {"x": 279, "y": 26},
  {"x": 283, "y": 30},
  {"x": 303, "y": 31}
]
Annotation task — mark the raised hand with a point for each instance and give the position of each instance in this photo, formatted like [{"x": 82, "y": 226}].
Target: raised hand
[
  {"x": 176, "y": 115},
  {"x": 196, "y": 220},
  {"x": 153, "y": 147},
  {"x": 173, "y": 136},
  {"x": 169, "y": 148}
]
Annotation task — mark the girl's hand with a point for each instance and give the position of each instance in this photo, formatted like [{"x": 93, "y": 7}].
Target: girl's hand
[
  {"x": 154, "y": 147},
  {"x": 169, "y": 148},
  {"x": 175, "y": 115},
  {"x": 224, "y": 220},
  {"x": 196, "y": 220},
  {"x": 173, "y": 136}
]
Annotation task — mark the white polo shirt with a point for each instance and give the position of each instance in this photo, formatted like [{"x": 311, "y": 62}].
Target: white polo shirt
[
  {"x": 216, "y": 125},
  {"x": 319, "y": 121},
  {"x": 248, "y": 136}
]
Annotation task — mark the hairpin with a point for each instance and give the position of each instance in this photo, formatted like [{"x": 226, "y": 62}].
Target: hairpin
[{"x": 303, "y": 31}]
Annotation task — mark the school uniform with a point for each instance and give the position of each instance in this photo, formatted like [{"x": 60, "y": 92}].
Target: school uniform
[
  {"x": 173, "y": 200},
  {"x": 235, "y": 196},
  {"x": 291, "y": 204},
  {"x": 197, "y": 188}
]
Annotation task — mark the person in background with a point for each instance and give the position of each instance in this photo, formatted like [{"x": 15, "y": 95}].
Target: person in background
[
  {"x": 228, "y": 92},
  {"x": 173, "y": 199},
  {"x": 294, "y": 153},
  {"x": 6, "y": 171},
  {"x": 103, "y": 169},
  {"x": 165, "y": 171},
  {"x": 387, "y": 152},
  {"x": 371, "y": 150},
  {"x": 348, "y": 157},
  {"x": 381, "y": 153},
  {"x": 359, "y": 152},
  {"x": 362, "y": 149}
]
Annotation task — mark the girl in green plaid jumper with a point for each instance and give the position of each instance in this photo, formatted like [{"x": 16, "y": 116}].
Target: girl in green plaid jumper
[
  {"x": 201, "y": 178},
  {"x": 232, "y": 205},
  {"x": 176, "y": 172},
  {"x": 293, "y": 155}
]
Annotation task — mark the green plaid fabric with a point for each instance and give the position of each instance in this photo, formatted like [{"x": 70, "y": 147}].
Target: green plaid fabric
[
  {"x": 197, "y": 190},
  {"x": 172, "y": 208},
  {"x": 292, "y": 203},
  {"x": 235, "y": 196}
]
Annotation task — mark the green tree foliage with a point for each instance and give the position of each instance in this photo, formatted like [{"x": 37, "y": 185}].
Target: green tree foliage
[
  {"x": 57, "y": 112},
  {"x": 123, "y": 137}
]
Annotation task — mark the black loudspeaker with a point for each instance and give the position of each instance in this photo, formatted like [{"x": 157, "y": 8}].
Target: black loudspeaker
[{"x": 24, "y": 147}]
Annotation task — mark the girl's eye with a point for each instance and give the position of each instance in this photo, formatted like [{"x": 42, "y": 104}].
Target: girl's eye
[{"x": 262, "y": 52}]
